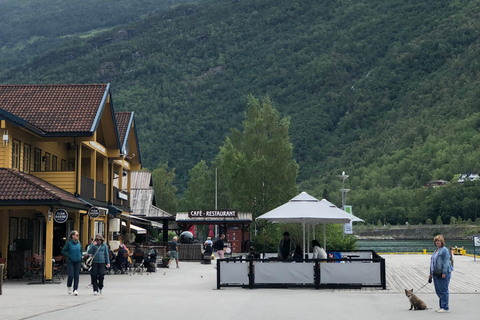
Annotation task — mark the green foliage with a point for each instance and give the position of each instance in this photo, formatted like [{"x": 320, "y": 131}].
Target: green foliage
[
  {"x": 165, "y": 191},
  {"x": 439, "y": 220},
  {"x": 256, "y": 164},
  {"x": 430, "y": 222},
  {"x": 200, "y": 194},
  {"x": 386, "y": 91},
  {"x": 453, "y": 220},
  {"x": 57, "y": 22}
]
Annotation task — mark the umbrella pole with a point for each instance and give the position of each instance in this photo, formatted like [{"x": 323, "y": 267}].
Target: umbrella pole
[
  {"x": 303, "y": 239},
  {"x": 308, "y": 240},
  {"x": 324, "y": 238}
]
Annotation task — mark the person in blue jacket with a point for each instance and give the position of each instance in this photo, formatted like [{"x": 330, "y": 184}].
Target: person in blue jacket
[
  {"x": 99, "y": 250},
  {"x": 440, "y": 271},
  {"x": 73, "y": 252}
]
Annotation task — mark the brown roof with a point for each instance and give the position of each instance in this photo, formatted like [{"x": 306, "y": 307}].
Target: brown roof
[
  {"x": 17, "y": 188},
  {"x": 55, "y": 108},
  {"x": 123, "y": 119}
]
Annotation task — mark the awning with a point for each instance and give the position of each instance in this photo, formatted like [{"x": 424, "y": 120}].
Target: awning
[
  {"x": 114, "y": 210},
  {"x": 137, "y": 229},
  {"x": 138, "y": 220}
]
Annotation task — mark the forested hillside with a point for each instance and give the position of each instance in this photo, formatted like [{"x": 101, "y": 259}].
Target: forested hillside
[
  {"x": 31, "y": 27},
  {"x": 385, "y": 90}
]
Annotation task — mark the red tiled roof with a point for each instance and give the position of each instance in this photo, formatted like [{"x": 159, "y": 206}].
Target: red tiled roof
[
  {"x": 54, "y": 108},
  {"x": 23, "y": 188},
  {"x": 122, "y": 118}
]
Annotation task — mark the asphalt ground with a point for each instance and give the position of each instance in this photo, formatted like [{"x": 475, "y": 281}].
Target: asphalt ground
[{"x": 190, "y": 292}]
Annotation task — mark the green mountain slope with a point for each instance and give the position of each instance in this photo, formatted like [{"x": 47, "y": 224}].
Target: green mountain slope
[
  {"x": 385, "y": 90},
  {"x": 32, "y": 27}
]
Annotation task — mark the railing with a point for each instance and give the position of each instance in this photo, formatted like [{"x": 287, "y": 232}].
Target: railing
[
  {"x": 358, "y": 269},
  {"x": 87, "y": 190},
  {"x": 101, "y": 191}
]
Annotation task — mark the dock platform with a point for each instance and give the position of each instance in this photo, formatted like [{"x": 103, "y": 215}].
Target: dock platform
[{"x": 410, "y": 271}]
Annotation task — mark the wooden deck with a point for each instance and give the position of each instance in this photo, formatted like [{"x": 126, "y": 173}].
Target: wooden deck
[{"x": 410, "y": 271}]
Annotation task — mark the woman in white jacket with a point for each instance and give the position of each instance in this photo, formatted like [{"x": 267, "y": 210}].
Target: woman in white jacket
[{"x": 318, "y": 251}]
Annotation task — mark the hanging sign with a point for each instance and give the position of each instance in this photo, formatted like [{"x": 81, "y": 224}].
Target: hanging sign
[
  {"x": 60, "y": 216},
  {"x": 94, "y": 212}
]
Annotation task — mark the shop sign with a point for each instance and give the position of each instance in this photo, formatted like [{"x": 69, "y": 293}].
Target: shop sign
[
  {"x": 94, "y": 212},
  {"x": 60, "y": 216},
  {"x": 212, "y": 213}
]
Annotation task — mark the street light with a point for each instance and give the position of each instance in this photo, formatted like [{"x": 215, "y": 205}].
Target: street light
[{"x": 344, "y": 191}]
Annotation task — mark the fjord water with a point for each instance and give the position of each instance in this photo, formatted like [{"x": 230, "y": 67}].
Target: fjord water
[{"x": 412, "y": 245}]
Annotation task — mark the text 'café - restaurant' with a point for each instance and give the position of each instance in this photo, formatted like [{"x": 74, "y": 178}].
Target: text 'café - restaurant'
[{"x": 235, "y": 225}]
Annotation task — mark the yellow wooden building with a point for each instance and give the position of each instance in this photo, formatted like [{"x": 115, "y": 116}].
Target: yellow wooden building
[{"x": 64, "y": 150}]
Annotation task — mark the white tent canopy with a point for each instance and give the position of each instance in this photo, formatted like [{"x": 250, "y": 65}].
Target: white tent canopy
[{"x": 306, "y": 209}]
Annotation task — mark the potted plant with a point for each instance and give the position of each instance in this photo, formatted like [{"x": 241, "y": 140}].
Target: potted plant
[{"x": 165, "y": 260}]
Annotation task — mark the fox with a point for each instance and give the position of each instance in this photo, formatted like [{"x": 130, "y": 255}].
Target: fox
[{"x": 415, "y": 302}]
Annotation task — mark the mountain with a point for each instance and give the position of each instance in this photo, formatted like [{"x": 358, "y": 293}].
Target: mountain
[
  {"x": 384, "y": 90},
  {"x": 31, "y": 27}
]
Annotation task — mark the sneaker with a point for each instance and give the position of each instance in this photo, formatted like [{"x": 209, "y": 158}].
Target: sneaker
[
  {"x": 75, "y": 292},
  {"x": 443, "y": 311},
  {"x": 90, "y": 286},
  {"x": 178, "y": 267},
  {"x": 95, "y": 293},
  {"x": 100, "y": 292},
  {"x": 69, "y": 290}
]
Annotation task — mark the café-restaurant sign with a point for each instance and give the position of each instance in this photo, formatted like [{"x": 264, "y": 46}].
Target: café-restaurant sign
[{"x": 212, "y": 213}]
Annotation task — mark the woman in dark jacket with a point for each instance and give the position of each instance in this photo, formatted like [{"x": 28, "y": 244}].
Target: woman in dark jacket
[
  {"x": 73, "y": 251},
  {"x": 99, "y": 250}
]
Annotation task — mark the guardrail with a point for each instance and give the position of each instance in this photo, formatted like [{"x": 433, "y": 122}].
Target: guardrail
[{"x": 358, "y": 269}]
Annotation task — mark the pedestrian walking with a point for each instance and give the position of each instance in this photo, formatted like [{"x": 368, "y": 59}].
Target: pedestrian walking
[
  {"x": 73, "y": 251},
  {"x": 173, "y": 251},
  {"x": 101, "y": 260},
  {"x": 220, "y": 246}
]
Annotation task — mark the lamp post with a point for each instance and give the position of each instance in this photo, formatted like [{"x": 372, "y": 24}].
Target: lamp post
[{"x": 344, "y": 191}]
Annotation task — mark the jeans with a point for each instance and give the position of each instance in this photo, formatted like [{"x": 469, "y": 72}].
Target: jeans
[
  {"x": 73, "y": 270},
  {"x": 98, "y": 274},
  {"x": 441, "y": 289}
]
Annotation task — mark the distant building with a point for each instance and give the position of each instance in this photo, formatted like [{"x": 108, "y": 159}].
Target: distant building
[
  {"x": 468, "y": 177},
  {"x": 436, "y": 183}
]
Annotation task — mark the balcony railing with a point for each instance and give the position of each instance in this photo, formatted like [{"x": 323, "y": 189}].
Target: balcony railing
[{"x": 87, "y": 190}]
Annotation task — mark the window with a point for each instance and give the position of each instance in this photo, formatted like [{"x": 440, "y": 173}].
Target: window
[
  {"x": 27, "y": 157},
  {"x": 16, "y": 154},
  {"x": 48, "y": 160},
  {"x": 37, "y": 159},
  {"x": 63, "y": 165},
  {"x": 71, "y": 166},
  {"x": 54, "y": 163}
]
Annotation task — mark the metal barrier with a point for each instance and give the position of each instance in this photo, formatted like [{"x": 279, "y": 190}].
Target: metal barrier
[{"x": 356, "y": 269}]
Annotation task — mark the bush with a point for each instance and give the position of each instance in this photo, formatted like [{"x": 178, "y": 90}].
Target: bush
[
  {"x": 439, "y": 220},
  {"x": 429, "y": 222}
]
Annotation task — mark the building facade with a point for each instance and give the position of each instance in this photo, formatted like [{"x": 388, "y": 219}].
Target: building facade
[{"x": 64, "y": 151}]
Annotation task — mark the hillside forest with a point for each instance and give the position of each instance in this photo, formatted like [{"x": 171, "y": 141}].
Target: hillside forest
[{"x": 387, "y": 91}]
